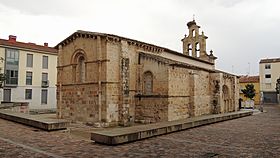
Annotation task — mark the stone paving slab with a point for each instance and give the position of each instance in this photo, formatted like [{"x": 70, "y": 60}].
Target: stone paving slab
[
  {"x": 47, "y": 124},
  {"x": 130, "y": 134},
  {"x": 256, "y": 136}
]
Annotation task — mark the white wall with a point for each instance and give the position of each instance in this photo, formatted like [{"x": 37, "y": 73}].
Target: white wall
[
  {"x": 18, "y": 95},
  {"x": 275, "y": 74},
  {"x": 18, "y": 92}
]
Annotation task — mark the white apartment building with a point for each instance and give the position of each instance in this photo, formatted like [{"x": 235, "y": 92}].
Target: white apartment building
[
  {"x": 269, "y": 70},
  {"x": 30, "y": 71}
]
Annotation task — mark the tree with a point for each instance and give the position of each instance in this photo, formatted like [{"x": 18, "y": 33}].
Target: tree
[{"x": 249, "y": 91}]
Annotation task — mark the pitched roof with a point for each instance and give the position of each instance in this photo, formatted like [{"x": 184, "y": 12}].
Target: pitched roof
[
  {"x": 30, "y": 46},
  {"x": 249, "y": 79},
  {"x": 88, "y": 34},
  {"x": 171, "y": 62},
  {"x": 272, "y": 60}
]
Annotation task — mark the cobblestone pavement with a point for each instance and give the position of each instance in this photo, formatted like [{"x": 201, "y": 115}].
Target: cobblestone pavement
[{"x": 253, "y": 136}]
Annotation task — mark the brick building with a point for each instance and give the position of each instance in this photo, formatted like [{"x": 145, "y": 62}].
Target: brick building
[{"x": 104, "y": 77}]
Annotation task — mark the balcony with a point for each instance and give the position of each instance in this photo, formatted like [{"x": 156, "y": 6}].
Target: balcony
[
  {"x": 45, "y": 84},
  {"x": 11, "y": 82}
]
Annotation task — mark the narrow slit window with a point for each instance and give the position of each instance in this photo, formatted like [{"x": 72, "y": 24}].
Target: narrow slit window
[{"x": 148, "y": 83}]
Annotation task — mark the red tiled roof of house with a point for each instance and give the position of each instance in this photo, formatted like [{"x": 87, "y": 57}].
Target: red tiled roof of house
[
  {"x": 249, "y": 79},
  {"x": 31, "y": 46},
  {"x": 272, "y": 60}
]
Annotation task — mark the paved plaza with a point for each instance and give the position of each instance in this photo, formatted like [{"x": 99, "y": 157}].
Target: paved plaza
[{"x": 253, "y": 136}]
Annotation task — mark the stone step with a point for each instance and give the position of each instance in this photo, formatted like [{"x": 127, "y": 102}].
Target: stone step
[
  {"x": 129, "y": 134},
  {"x": 46, "y": 124}
]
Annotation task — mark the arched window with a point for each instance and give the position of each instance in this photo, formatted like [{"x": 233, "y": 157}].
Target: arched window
[
  {"x": 193, "y": 33},
  {"x": 81, "y": 68},
  {"x": 197, "y": 49},
  {"x": 148, "y": 83},
  {"x": 78, "y": 61},
  {"x": 189, "y": 49}
]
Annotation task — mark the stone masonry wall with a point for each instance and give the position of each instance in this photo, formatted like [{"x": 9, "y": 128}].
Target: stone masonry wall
[
  {"x": 79, "y": 103},
  {"x": 236, "y": 93},
  {"x": 160, "y": 75},
  {"x": 215, "y": 89},
  {"x": 113, "y": 91},
  {"x": 189, "y": 93},
  {"x": 202, "y": 98},
  {"x": 178, "y": 93},
  {"x": 230, "y": 82},
  {"x": 151, "y": 109},
  {"x": 121, "y": 70},
  {"x": 222, "y": 104},
  {"x": 89, "y": 46},
  {"x": 178, "y": 108}
]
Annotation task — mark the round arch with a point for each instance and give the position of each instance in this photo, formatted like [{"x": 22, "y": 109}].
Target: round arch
[
  {"x": 78, "y": 60},
  {"x": 76, "y": 56}
]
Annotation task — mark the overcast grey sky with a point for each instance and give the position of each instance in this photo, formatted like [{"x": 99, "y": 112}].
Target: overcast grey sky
[{"x": 240, "y": 31}]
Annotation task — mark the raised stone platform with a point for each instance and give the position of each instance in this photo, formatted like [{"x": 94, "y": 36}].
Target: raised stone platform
[
  {"x": 129, "y": 134},
  {"x": 36, "y": 121}
]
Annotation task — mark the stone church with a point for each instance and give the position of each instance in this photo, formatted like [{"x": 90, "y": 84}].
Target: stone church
[{"x": 117, "y": 80}]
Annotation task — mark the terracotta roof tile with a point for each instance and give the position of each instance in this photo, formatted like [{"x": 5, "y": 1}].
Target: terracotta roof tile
[
  {"x": 28, "y": 46},
  {"x": 249, "y": 79},
  {"x": 272, "y": 60}
]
